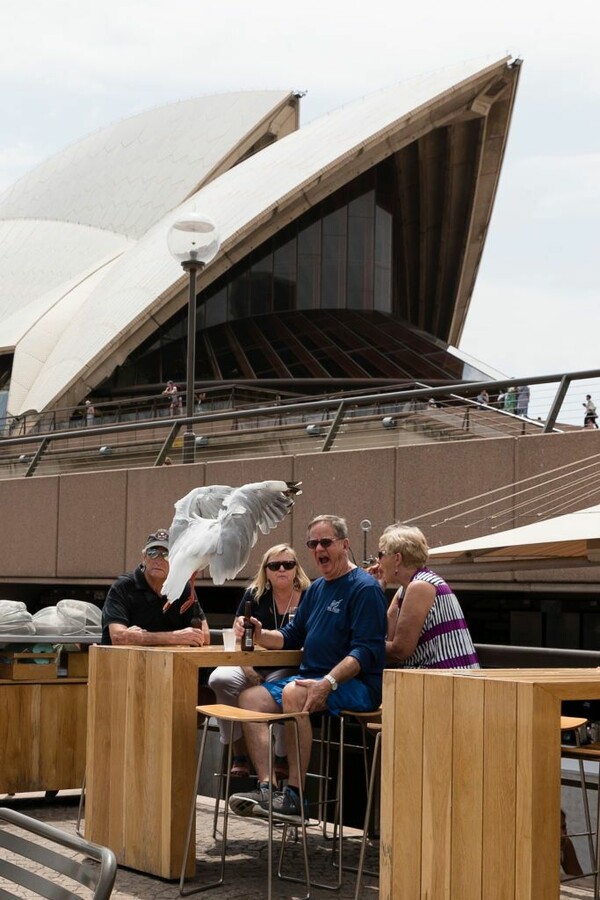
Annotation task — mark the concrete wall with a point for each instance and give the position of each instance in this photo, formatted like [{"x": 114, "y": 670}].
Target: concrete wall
[{"x": 90, "y": 527}]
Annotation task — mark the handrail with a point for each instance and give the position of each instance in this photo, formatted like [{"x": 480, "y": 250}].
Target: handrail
[
  {"x": 447, "y": 389},
  {"x": 337, "y": 414},
  {"x": 501, "y": 656}
]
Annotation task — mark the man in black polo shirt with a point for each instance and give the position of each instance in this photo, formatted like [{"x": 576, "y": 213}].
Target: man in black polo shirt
[{"x": 133, "y": 610}]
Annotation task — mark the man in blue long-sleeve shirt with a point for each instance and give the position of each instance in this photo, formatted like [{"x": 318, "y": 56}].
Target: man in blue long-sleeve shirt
[{"x": 341, "y": 625}]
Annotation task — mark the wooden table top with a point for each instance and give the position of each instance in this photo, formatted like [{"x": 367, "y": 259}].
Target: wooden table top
[
  {"x": 567, "y": 684},
  {"x": 215, "y": 655}
]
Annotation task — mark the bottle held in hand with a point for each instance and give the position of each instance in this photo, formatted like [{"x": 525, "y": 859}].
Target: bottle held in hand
[{"x": 248, "y": 636}]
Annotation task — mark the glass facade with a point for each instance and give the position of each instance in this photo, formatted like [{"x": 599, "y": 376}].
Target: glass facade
[{"x": 316, "y": 301}]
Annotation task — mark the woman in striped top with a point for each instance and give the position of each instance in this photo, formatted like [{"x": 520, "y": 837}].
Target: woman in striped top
[{"x": 426, "y": 625}]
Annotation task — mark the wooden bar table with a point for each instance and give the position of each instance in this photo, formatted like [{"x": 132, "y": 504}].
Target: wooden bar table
[
  {"x": 42, "y": 720},
  {"x": 141, "y": 747},
  {"x": 471, "y": 809}
]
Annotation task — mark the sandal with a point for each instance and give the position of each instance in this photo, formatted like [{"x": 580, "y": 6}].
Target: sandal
[
  {"x": 240, "y": 767},
  {"x": 280, "y": 768}
]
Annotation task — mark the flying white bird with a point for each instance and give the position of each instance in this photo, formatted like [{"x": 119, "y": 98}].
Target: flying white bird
[{"x": 217, "y": 526}]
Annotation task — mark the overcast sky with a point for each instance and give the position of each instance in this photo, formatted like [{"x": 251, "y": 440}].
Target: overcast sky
[{"x": 68, "y": 68}]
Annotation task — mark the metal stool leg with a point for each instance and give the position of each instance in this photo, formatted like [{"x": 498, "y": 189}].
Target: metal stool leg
[
  {"x": 224, "y": 753},
  {"x": 80, "y": 808},
  {"x": 597, "y": 857},
  {"x": 586, "y": 804},
  {"x": 302, "y": 826},
  {"x": 334, "y": 886},
  {"x": 368, "y": 770},
  {"x": 363, "y": 845},
  {"x": 192, "y": 820}
]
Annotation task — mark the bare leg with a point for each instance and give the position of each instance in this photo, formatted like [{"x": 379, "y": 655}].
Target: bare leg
[
  {"x": 239, "y": 747},
  {"x": 294, "y": 697},
  {"x": 258, "y": 699}
]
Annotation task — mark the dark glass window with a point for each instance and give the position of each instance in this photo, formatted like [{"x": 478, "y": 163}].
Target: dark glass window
[
  {"x": 326, "y": 284},
  {"x": 284, "y": 276},
  {"x": 382, "y": 286},
  {"x": 308, "y": 285}
]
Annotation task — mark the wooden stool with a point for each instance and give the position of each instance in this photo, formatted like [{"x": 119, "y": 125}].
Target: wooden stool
[
  {"x": 376, "y": 728},
  {"x": 234, "y": 714},
  {"x": 585, "y": 753}
]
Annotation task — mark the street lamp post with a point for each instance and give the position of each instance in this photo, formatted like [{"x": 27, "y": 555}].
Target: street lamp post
[{"x": 194, "y": 242}]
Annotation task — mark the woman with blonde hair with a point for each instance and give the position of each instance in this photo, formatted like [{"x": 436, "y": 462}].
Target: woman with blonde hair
[
  {"x": 426, "y": 626},
  {"x": 276, "y": 591}
]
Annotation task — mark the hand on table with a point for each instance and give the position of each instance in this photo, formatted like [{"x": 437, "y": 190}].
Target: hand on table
[{"x": 191, "y": 637}]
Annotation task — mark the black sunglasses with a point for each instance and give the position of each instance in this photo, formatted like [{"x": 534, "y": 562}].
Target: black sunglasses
[
  {"x": 155, "y": 552},
  {"x": 288, "y": 565},
  {"x": 381, "y": 554},
  {"x": 324, "y": 542}
]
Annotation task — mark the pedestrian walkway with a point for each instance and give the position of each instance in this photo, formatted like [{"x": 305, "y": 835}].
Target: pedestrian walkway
[{"x": 245, "y": 875}]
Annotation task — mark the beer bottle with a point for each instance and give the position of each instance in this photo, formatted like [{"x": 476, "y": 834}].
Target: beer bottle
[{"x": 248, "y": 636}]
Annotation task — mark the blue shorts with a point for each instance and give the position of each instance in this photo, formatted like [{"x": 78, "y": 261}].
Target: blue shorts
[{"x": 352, "y": 694}]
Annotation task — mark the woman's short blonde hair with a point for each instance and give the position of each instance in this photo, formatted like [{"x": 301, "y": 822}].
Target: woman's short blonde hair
[
  {"x": 260, "y": 582},
  {"x": 407, "y": 540}
]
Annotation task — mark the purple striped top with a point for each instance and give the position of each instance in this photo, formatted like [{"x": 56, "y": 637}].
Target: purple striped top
[{"x": 445, "y": 641}]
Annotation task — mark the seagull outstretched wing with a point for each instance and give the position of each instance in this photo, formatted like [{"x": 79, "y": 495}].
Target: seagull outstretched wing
[
  {"x": 218, "y": 526},
  {"x": 201, "y": 501}
]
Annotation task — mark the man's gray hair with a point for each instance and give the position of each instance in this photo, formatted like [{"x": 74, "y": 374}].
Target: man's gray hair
[{"x": 339, "y": 525}]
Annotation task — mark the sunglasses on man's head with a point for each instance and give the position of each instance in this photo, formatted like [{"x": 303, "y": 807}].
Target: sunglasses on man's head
[
  {"x": 324, "y": 542},
  {"x": 288, "y": 565},
  {"x": 155, "y": 552}
]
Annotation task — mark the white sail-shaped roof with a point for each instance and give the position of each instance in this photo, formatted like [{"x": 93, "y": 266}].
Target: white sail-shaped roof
[
  {"x": 90, "y": 202},
  {"x": 250, "y": 201}
]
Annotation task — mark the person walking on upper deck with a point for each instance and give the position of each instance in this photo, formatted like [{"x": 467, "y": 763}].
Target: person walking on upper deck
[
  {"x": 590, "y": 420},
  {"x": 89, "y": 413},
  {"x": 510, "y": 399},
  {"x": 172, "y": 392},
  {"x": 523, "y": 394}
]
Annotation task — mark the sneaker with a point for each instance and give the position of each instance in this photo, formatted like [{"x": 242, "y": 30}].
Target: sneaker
[
  {"x": 245, "y": 804},
  {"x": 240, "y": 767},
  {"x": 286, "y": 806},
  {"x": 280, "y": 768}
]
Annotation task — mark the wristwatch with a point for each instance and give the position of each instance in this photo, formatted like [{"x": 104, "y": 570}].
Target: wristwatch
[{"x": 332, "y": 682}]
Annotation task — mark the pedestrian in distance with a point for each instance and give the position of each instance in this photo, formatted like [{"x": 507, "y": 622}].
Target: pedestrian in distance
[
  {"x": 523, "y": 394},
  {"x": 172, "y": 392},
  {"x": 590, "y": 419},
  {"x": 89, "y": 413}
]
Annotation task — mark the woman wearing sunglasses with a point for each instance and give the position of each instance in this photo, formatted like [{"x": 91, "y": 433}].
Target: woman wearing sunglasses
[
  {"x": 426, "y": 627},
  {"x": 276, "y": 591}
]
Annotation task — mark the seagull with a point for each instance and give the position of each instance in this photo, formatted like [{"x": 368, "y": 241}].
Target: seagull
[{"x": 217, "y": 526}]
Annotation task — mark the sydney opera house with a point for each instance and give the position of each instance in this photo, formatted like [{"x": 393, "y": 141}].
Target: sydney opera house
[{"x": 350, "y": 246}]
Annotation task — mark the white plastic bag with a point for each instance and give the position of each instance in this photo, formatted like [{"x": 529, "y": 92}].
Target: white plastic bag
[
  {"x": 47, "y": 621},
  {"x": 79, "y": 617},
  {"x": 14, "y": 618}
]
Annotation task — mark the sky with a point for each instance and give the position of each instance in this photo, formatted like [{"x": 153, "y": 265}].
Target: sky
[{"x": 69, "y": 68}]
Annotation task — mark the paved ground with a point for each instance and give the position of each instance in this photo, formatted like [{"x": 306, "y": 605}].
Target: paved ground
[
  {"x": 245, "y": 874},
  {"x": 247, "y": 858}
]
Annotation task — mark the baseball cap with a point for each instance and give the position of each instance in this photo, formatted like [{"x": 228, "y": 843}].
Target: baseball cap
[{"x": 159, "y": 538}]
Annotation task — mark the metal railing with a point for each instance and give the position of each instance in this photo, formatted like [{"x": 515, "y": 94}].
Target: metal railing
[
  {"x": 288, "y": 426},
  {"x": 131, "y": 409}
]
